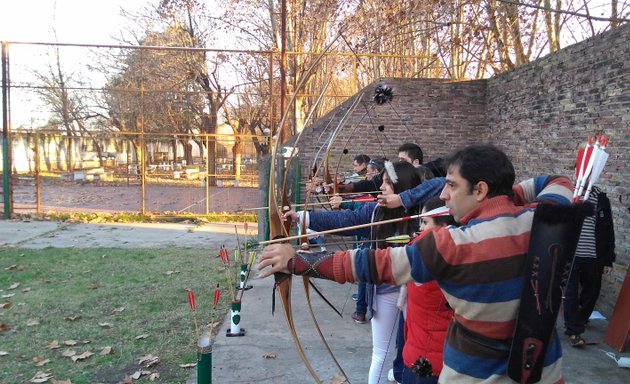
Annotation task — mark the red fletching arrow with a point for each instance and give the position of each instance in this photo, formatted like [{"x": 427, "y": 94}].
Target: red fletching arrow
[
  {"x": 364, "y": 199},
  {"x": 191, "y": 300},
  {"x": 217, "y": 296},
  {"x": 224, "y": 255}
]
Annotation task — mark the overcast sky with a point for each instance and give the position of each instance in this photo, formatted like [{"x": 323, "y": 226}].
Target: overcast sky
[{"x": 76, "y": 21}]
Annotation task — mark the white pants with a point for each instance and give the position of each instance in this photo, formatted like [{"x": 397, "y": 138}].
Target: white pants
[{"x": 384, "y": 326}]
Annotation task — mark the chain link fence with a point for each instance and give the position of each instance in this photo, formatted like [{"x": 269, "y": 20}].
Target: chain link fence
[{"x": 157, "y": 129}]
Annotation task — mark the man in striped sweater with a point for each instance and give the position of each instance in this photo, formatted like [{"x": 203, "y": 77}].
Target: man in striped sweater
[{"x": 479, "y": 265}]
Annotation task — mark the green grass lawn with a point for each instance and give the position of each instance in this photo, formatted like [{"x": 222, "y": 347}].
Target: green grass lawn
[{"x": 132, "y": 300}]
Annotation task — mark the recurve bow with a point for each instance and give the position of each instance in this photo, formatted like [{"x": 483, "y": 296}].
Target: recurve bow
[{"x": 279, "y": 228}]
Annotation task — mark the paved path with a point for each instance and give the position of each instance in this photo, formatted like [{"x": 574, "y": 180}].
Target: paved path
[{"x": 241, "y": 359}]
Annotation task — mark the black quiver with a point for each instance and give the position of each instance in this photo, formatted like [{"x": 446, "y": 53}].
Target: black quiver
[{"x": 553, "y": 240}]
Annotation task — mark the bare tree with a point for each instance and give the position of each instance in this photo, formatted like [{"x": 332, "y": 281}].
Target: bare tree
[{"x": 69, "y": 107}]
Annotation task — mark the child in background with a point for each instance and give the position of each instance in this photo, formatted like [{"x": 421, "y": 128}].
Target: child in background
[{"x": 427, "y": 315}]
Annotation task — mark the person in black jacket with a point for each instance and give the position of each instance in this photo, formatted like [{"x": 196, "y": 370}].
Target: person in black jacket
[{"x": 595, "y": 252}]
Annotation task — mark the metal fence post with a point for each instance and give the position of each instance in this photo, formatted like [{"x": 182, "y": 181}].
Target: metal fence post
[{"x": 6, "y": 147}]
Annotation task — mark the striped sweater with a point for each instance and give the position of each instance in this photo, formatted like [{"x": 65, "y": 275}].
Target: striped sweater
[{"x": 479, "y": 267}]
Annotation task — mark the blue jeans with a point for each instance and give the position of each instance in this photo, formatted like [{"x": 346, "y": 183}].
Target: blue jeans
[
  {"x": 398, "y": 363},
  {"x": 361, "y": 305}
]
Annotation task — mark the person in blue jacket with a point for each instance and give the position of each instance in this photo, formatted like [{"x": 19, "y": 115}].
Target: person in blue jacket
[{"x": 382, "y": 309}]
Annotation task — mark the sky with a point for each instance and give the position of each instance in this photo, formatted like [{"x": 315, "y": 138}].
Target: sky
[{"x": 76, "y": 21}]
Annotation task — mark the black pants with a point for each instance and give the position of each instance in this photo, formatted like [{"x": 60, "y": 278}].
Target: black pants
[{"x": 581, "y": 294}]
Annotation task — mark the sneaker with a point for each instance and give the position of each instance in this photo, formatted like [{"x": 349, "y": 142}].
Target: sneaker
[
  {"x": 390, "y": 375},
  {"x": 355, "y": 297},
  {"x": 576, "y": 341},
  {"x": 359, "y": 318}
]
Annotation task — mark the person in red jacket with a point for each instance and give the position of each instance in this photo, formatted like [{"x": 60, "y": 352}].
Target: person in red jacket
[{"x": 427, "y": 316}]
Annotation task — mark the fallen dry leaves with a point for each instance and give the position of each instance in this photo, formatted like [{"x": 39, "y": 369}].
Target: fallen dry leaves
[
  {"x": 338, "y": 379},
  {"x": 6, "y": 304},
  {"x": 72, "y": 318},
  {"x": 105, "y": 351},
  {"x": 68, "y": 353},
  {"x": 117, "y": 310},
  {"x": 143, "y": 336},
  {"x": 105, "y": 325},
  {"x": 269, "y": 355},
  {"x": 52, "y": 345},
  {"x": 41, "y": 377},
  {"x": 4, "y": 327},
  {"x": 138, "y": 374},
  {"x": 213, "y": 325},
  {"x": 13, "y": 286},
  {"x": 82, "y": 356},
  {"x": 148, "y": 360},
  {"x": 189, "y": 365},
  {"x": 40, "y": 361},
  {"x": 16, "y": 267},
  {"x": 61, "y": 381},
  {"x": 32, "y": 322}
]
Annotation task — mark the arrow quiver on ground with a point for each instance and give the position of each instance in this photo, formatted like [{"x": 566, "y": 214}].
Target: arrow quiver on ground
[{"x": 553, "y": 240}]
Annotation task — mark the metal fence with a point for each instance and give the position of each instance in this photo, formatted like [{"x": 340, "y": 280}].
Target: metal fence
[
  {"x": 51, "y": 172},
  {"x": 176, "y": 129}
]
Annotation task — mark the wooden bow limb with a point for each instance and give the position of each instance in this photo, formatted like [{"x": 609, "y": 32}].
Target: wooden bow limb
[
  {"x": 333, "y": 134},
  {"x": 297, "y": 140},
  {"x": 306, "y": 281},
  {"x": 283, "y": 287},
  {"x": 350, "y": 136},
  {"x": 304, "y": 239}
]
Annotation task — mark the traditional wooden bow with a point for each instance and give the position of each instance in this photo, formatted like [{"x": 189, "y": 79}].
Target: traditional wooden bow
[
  {"x": 303, "y": 240},
  {"x": 279, "y": 228}
]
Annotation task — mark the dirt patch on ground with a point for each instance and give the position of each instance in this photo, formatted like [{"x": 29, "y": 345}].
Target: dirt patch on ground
[{"x": 67, "y": 196}]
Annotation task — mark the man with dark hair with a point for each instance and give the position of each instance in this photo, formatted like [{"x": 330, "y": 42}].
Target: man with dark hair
[
  {"x": 359, "y": 164},
  {"x": 479, "y": 265},
  {"x": 411, "y": 153}
]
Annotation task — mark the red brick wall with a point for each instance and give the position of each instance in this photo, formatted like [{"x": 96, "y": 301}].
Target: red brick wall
[
  {"x": 539, "y": 114},
  {"x": 437, "y": 115}
]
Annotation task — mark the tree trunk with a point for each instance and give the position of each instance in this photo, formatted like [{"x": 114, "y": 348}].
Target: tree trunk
[
  {"x": 549, "y": 24},
  {"x": 237, "y": 153},
  {"x": 187, "y": 151},
  {"x": 497, "y": 37}
]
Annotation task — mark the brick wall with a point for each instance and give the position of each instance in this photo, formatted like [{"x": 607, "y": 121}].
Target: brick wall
[
  {"x": 436, "y": 114},
  {"x": 538, "y": 114}
]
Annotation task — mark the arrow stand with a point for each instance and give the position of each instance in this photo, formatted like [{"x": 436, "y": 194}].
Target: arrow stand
[
  {"x": 204, "y": 365},
  {"x": 242, "y": 278},
  {"x": 235, "y": 321}
]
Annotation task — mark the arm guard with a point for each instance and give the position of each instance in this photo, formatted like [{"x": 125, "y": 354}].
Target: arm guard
[{"x": 312, "y": 264}]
